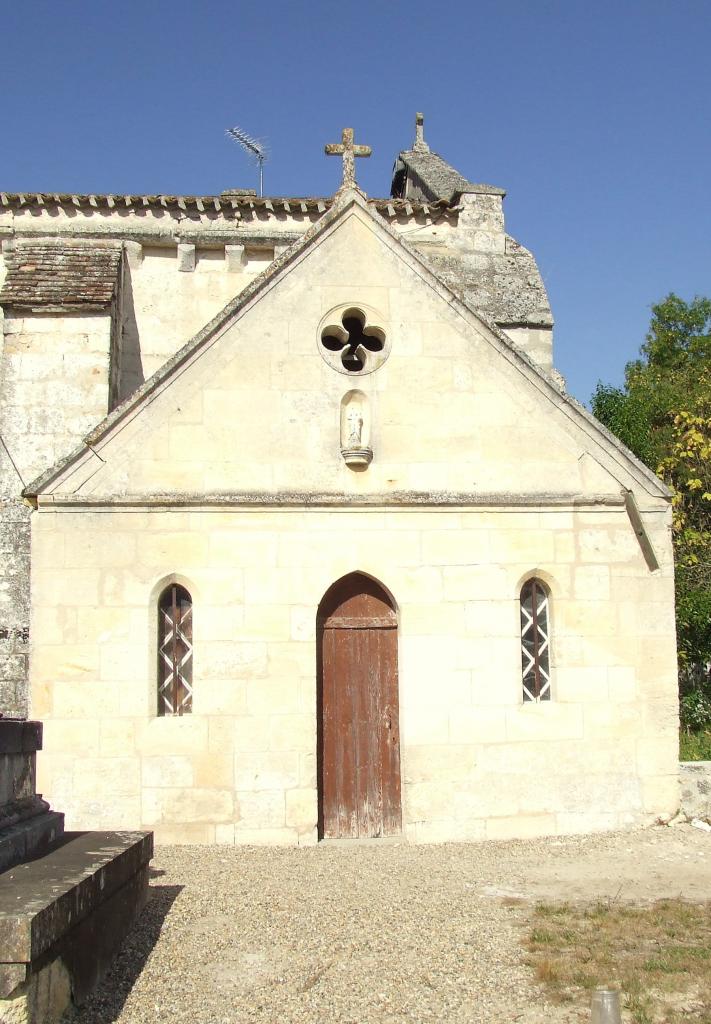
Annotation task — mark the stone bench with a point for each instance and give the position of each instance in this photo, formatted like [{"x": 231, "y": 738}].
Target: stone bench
[{"x": 63, "y": 917}]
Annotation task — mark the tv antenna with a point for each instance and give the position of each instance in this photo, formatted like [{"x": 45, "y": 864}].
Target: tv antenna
[{"x": 255, "y": 148}]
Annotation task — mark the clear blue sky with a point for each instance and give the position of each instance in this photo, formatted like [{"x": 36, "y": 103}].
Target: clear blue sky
[{"x": 596, "y": 117}]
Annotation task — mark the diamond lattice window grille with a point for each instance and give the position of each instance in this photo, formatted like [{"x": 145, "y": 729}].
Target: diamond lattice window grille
[
  {"x": 175, "y": 652},
  {"x": 535, "y": 642}
]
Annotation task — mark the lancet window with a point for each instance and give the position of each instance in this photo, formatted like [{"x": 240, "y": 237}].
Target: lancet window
[
  {"x": 175, "y": 651},
  {"x": 535, "y": 641}
]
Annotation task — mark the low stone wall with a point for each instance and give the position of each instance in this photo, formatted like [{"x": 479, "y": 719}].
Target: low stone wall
[{"x": 695, "y": 781}]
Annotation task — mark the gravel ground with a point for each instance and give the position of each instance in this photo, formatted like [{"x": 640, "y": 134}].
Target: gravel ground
[{"x": 369, "y": 933}]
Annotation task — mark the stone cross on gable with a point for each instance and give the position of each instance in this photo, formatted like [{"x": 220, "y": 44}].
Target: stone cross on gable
[{"x": 348, "y": 150}]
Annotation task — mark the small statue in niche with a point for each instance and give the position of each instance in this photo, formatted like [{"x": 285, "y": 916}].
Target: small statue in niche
[
  {"x": 355, "y": 430},
  {"x": 355, "y": 425}
]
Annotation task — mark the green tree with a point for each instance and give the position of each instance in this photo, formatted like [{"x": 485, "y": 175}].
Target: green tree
[
  {"x": 663, "y": 415},
  {"x": 676, "y": 352}
]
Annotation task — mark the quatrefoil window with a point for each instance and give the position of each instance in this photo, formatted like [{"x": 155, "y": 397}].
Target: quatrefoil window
[{"x": 351, "y": 342}]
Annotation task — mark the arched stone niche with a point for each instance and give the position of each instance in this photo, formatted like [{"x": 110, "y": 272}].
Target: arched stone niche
[{"x": 355, "y": 429}]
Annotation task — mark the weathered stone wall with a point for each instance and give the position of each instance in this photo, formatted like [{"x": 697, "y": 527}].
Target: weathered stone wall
[
  {"x": 54, "y": 386},
  {"x": 695, "y": 781},
  {"x": 14, "y": 604},
  {"x": 482, "y": 222},
  {"x": 14, "y": 570}
]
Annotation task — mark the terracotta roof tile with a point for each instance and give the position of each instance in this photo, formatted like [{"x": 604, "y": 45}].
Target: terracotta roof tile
[
  {"x": 234, "y": 200},
  {"x": 52, "y": 276}
]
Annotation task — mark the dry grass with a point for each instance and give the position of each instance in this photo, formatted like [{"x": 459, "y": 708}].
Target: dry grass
[{"x": 658, "y": 955}]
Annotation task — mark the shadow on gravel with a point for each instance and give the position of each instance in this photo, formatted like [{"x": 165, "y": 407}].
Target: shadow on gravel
[{"x": 106, "y": 1002}]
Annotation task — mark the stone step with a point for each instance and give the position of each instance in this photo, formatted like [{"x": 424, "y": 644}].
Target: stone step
[{"x": 29, "y": 838}]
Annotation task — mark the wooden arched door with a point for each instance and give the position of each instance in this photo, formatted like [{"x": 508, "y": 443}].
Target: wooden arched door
[{"x": 358, "y": 712}]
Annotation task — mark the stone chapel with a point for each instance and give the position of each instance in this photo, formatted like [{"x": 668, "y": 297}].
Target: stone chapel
[{"x": 302, "y": 536}]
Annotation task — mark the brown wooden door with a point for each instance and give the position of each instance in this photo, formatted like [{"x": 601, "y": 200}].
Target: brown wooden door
[{"x": 359, "y": 741}]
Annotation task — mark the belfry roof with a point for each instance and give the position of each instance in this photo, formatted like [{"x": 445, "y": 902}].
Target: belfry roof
[{"x": 437, "y": 179}]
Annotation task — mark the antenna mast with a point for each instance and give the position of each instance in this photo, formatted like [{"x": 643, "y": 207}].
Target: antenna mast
[{"x": 254, "y": 147}]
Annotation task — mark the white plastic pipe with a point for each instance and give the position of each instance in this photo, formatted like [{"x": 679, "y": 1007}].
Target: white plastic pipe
[{"x": 605, "y": 1007}]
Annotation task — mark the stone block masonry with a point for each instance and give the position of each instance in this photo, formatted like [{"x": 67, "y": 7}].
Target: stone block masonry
[{"x": 242, "y": 766}]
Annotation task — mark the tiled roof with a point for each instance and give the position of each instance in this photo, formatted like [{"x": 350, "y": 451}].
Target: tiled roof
[
  {"x": 210, "y": 204},
  {"x": 58, "y": 276}
]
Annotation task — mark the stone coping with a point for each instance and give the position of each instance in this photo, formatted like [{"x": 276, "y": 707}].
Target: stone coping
[
  {"x": 337, "y": 500},
  {"x": 18, "y": 736},
  {"x": 42, "y": 900}
]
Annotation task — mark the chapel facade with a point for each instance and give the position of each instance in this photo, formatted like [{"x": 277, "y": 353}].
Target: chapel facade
[{"x": 303, "y": 537}]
